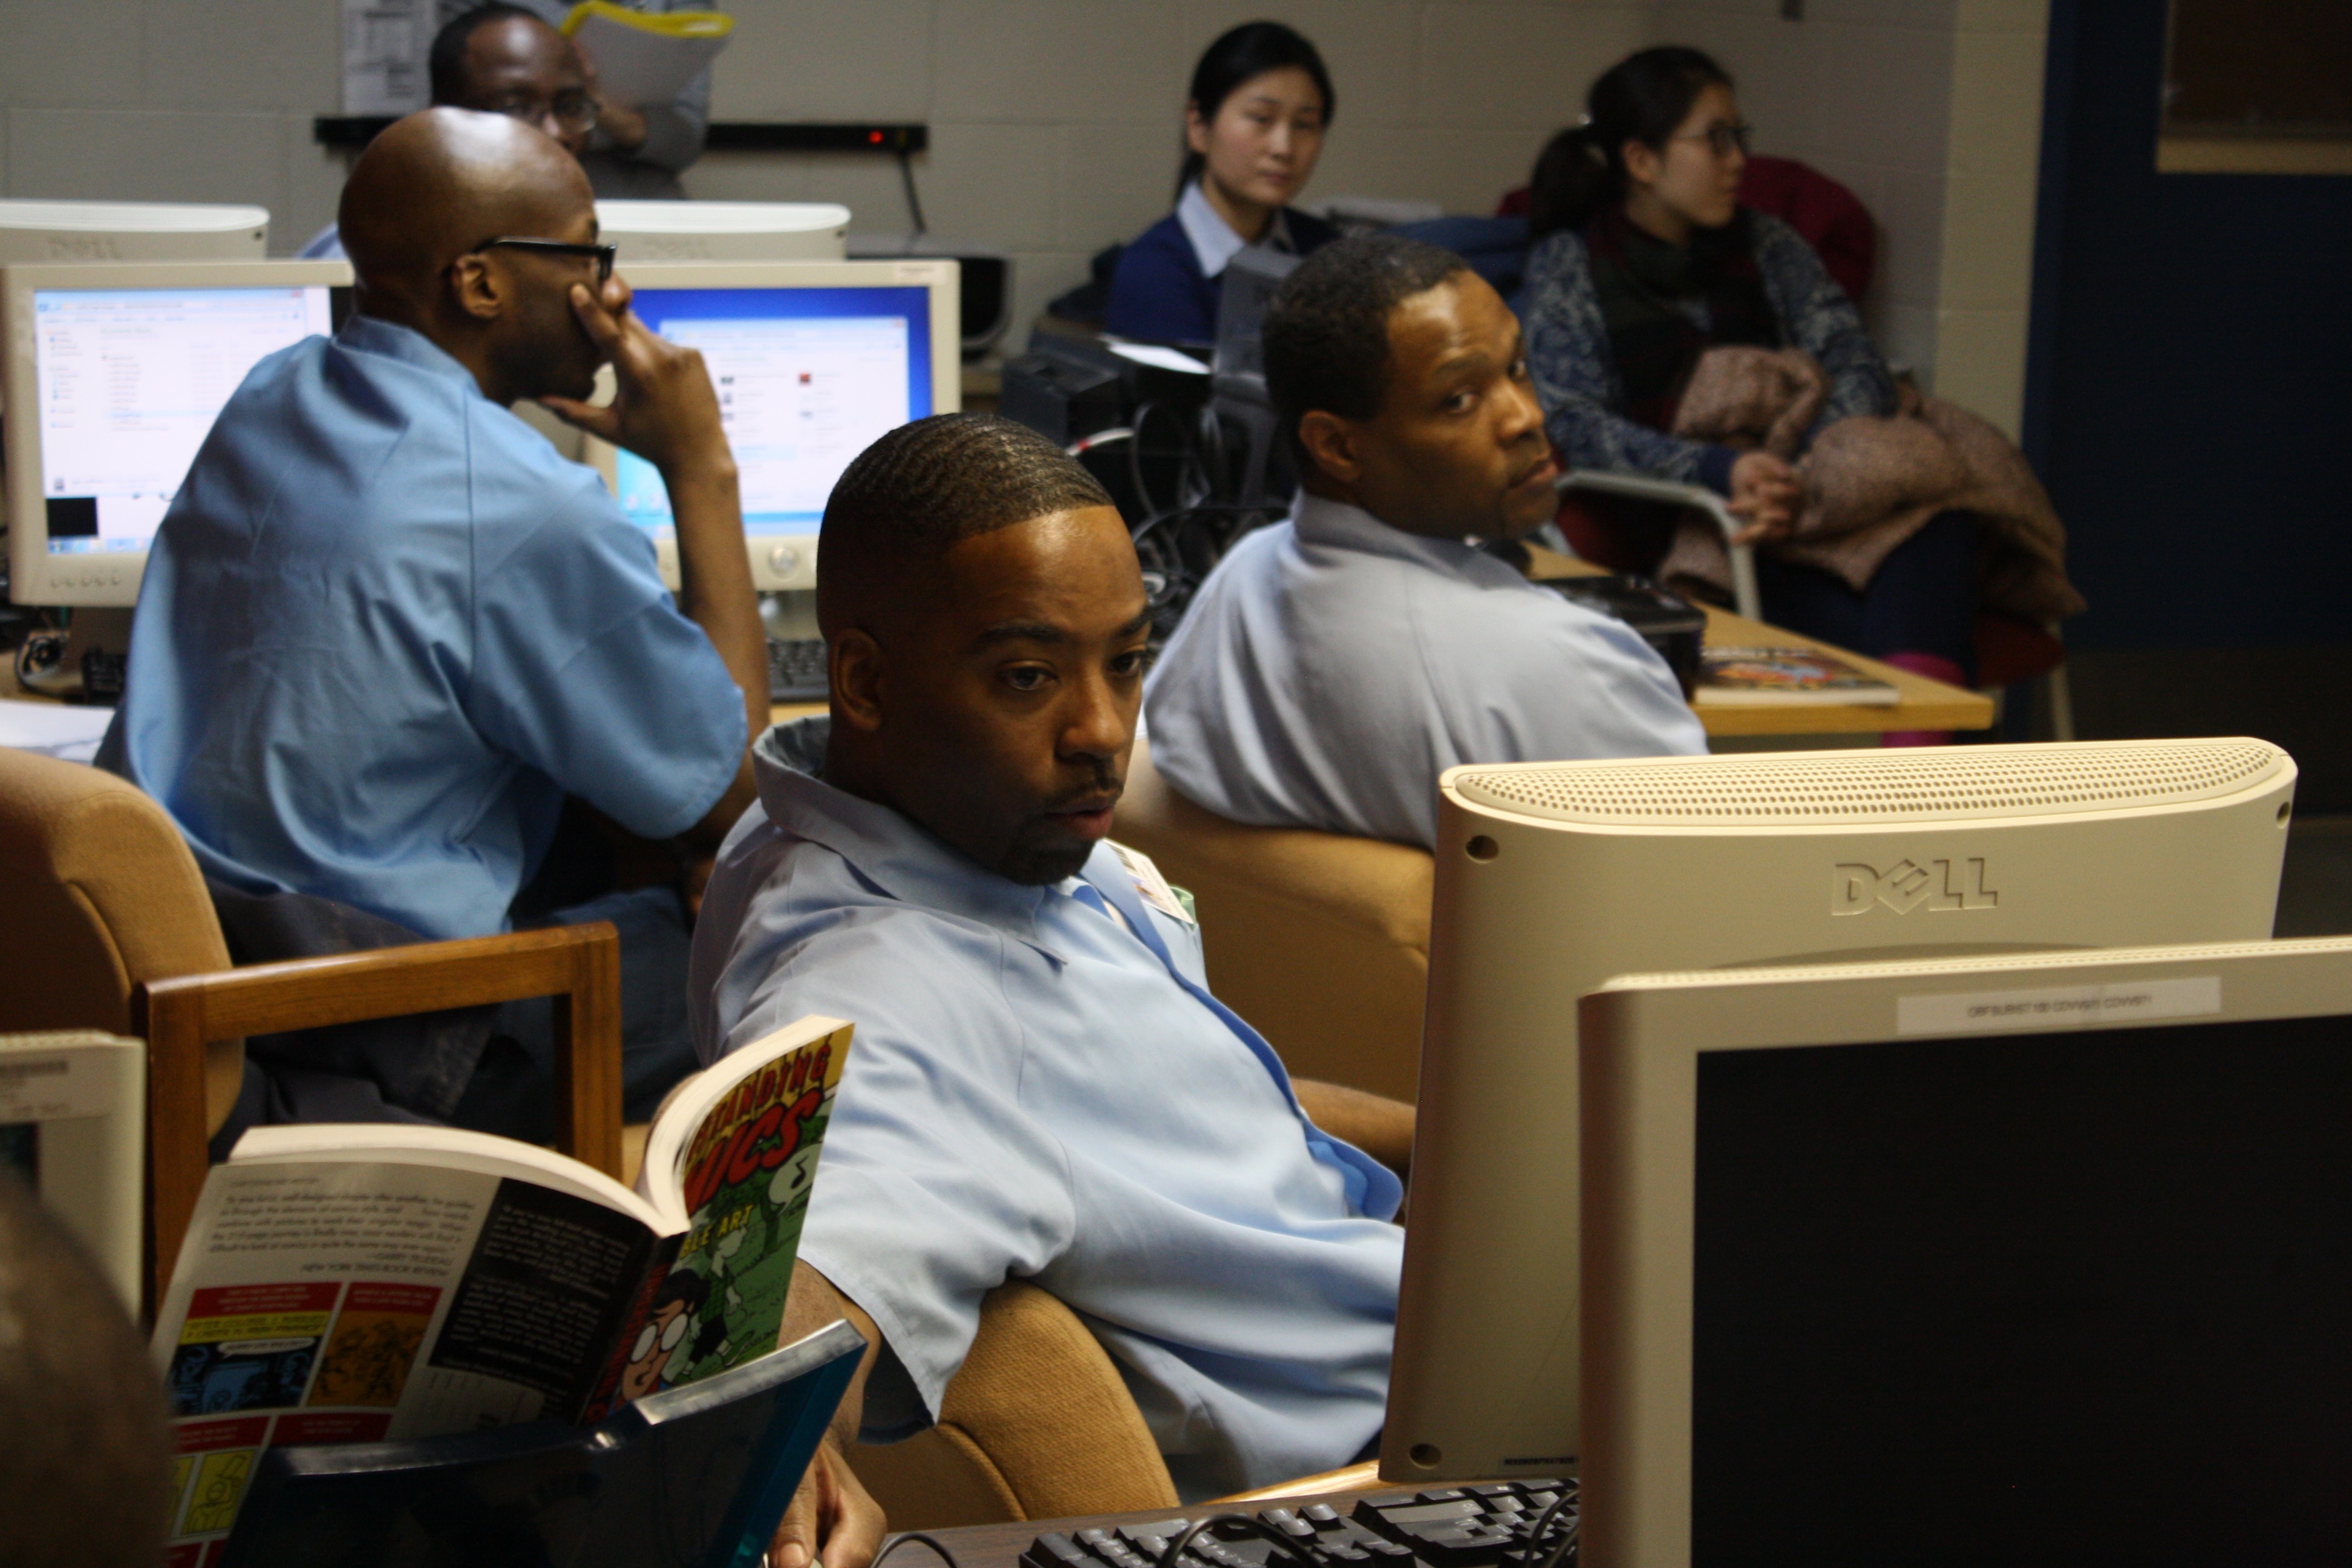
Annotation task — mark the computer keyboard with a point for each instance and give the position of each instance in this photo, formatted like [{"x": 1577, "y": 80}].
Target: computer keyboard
[
  {"x": 796, "y": 669},
  {"x": 1490, "y": 1526}
]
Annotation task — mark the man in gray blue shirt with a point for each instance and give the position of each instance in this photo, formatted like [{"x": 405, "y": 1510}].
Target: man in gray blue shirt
[
  {"x": 1333, "y": 665},
  {"x": 385, "y": 629},
  {"x": 1042, "y": 1086}
]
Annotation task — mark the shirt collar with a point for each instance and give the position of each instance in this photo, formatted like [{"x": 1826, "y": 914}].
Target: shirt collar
[
  {"x": 884, "y": 848},
  {"x": 1337, "y": 526},
  {"x": 1214, "y": 243},
  {"x": 374, "y": 335}
]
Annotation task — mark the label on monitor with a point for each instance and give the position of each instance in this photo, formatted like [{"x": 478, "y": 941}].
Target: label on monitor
[{"x": 2058, "y": 1006}]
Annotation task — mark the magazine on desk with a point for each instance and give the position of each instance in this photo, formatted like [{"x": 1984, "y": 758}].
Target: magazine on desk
[
  {"x": 363, "y": 1282},
  {"x": 1784, "y": 677}
]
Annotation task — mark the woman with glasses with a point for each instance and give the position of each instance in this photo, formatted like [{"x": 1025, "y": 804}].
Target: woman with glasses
[
  {"x": 1643, "y": 260},
  {"x": 1254, "y": 125}
]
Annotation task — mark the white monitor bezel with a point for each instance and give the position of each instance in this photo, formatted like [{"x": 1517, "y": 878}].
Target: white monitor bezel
[
  {"x": 1641, "y": 1038},
  {"x": 784, "y": 562},
  {"x": 36, "y": 577}
]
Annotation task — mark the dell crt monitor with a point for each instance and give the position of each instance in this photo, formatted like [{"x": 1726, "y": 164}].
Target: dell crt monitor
[
  {"x": 114, "y": 373},
  {"x": 34, "y": 231},
  {"x": 2019, "y": 1260},
  {"x": 724, "y": 231},
  {"x": 1553, "y": 878},
  {"x": 811, "y": 362}
]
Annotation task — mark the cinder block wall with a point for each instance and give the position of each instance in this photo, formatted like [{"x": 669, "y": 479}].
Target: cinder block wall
[
  {"x": 1053, "y": 122},
  {"x": 1931, "y": 111}
]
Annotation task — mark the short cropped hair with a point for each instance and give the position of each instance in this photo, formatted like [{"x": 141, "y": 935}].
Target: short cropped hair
[
  {"x": 1326, "y": 330},
  {"x": 445, "y": 61},
  {"x": 919, "y": 490}
]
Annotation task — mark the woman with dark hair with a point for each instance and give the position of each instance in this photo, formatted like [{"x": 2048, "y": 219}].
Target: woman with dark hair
[
  {"x": 1644, "y": 260},
  {"x": 1254, "y": 125}
]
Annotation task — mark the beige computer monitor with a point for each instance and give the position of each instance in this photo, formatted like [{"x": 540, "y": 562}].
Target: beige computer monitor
[
  {"x": 847, "y": 349},
  {"x": 38, "y": 231},
  {"x": 1964, "y": 1209},
  {"x": 90, "y": 471},
  {"x": 724, "y": 231},
  {"x": 1552, "y": 878}
]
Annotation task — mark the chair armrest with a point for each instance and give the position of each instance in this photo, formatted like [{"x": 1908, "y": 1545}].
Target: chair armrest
[
  {"x": 1642, "y": 487},
  {"x": 579, "y": 967}
]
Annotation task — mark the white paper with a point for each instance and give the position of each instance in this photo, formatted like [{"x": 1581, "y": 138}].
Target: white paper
[
  {"x": 1159, "y": 358},
  {"x": 638, "y": 65},
  {"x": 384, "y": 44},
  {"x": 2058, "y": 1006},
  {"x": 53, "y": 729}
]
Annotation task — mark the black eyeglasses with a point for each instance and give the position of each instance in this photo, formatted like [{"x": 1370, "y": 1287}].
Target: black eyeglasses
[
  {"x": 575, "y": 111},
  {"x": 602, "y": 253},
  {"x": 1722, "y": 138}
]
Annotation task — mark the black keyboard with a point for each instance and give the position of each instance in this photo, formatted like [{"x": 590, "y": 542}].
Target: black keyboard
[
  {"x": 796, "y": 669},
  {"x": 1490, "y": 1526}
]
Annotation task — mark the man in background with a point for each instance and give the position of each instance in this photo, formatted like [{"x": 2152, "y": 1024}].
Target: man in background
[
  {"x": 385, "y": 629},
  {"x": 500, "y": 60},
  {"x": 637, "y": 150},
  {"x": 1334, "y": 665}
]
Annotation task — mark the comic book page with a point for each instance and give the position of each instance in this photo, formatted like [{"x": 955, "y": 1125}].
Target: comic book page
[
  {"x": 740, "y": 1172},
  {"x": 326, "y": 1301}
]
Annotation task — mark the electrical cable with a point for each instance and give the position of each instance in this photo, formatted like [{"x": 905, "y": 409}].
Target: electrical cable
[
  {"x": 932, "y": 1541},
  {"x": 914, "y": 202},
  {"x": 1176, "y": 1548},
  {"x": 1543, "y": 1523},
  {"x": 1085, "y": 444}
]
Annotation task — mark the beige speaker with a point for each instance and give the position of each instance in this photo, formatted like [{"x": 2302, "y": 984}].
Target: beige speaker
[{"x": 1553, "y": 878}]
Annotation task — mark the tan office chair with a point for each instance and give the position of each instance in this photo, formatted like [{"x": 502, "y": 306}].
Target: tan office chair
[
  {"x": 1320, "y": 941},
  {"x": 105, "y": 924},
  {"x": 1036, "y": 1425}
]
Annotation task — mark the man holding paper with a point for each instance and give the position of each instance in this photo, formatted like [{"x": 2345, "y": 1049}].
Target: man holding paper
[{"x": 641, "y": 141}]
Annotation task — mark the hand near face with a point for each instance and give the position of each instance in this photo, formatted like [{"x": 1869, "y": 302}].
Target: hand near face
[
  {"x": 665, "y": 410},
  {"x": 1764, "y": 490}
]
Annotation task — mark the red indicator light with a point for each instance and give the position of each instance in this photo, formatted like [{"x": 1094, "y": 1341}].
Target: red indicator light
[{"x": 874, "y": 137}]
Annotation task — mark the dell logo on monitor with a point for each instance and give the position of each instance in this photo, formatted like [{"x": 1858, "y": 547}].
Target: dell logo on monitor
[{"x": 1904, "y": 886}]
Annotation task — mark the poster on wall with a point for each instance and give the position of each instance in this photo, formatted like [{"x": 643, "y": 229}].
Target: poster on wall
[{"x": 384, "y": 44}]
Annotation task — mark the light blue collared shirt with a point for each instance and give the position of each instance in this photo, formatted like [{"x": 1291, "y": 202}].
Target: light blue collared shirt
[
  {"x": 384, "y": 628},
  {"x": 1214, "y": 243},
  {"x": 1332, "y": 666},
  {"x": 1037, "y": 1090}
]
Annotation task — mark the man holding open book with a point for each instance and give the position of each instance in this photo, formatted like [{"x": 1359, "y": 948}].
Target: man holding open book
[{"x": 1043, "y": 1086}]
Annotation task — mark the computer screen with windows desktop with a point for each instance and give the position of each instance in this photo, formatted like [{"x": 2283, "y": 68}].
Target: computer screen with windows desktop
[
  {"x": 115, "y": 376},
  {"x": 810, "y": 361}
]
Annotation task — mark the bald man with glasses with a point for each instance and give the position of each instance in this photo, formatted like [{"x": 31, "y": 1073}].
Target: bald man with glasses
[{"x": 385, "y": 629}]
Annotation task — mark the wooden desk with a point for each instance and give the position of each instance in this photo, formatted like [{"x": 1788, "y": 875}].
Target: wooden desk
[{"x": 1925, "y": 704}]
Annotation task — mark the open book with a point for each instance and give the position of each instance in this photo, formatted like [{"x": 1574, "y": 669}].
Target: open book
[{"x": 365, "y": 1282}]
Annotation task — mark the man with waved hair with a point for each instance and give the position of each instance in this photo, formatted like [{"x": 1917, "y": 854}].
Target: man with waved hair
[
  {"x": 1332, "y": 665},
  {"x": 1042, "y": 1085}
]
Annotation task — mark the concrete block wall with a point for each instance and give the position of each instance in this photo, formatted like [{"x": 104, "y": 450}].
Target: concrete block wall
[{"x": 1055, "y": 122}]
